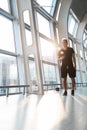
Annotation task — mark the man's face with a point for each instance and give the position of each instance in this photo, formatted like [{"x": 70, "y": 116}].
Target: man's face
[{"x": 64, "y": 43}]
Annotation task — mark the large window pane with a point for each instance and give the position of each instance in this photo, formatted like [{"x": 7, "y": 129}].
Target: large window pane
[
  {"x": 48, "y": 5},
  {"x": 75, "y": 29},
  {"x": 32, "y": 69},
  {"x": 85, "y": 38},
  {"x": 28, "y": 37},
  {"x": 57, "y": 16},
  {"x": 4, "y": 4},
  {"x": 77, "y": 64},
  {"x": 81, "y": 53},
  {"x": 78, "y": 78},
  {"x": 6, "y": 34},
  {"x": 26, "y": 17},
  {"x": 75, "y": 48},
  {"x": 33, "y": 75},
  {"x": 49, "y": 73},
  {"x": 85, "y": 53},
  {"x": 8, "y": 71},
  {"x": 84, "y": 78},
  {"x": 47, "y": 50},
  {"x": 43, "y": 24},
  {"x": 72, "y": 25},
  {"x": 82, "y": 65},
  {"x": 70, "y": 43}
]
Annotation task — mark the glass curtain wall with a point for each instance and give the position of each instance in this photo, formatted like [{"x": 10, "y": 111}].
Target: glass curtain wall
[
  {"x": 85, "y": 54},
  {"x": 72, "y": 24},
  {"x": 8, "y": 44},
  {"x": 80, "y": 48},
  {"x": 47, "y": 5},
  {"x": 47, "y": 51},
  {"x": 8, "y": 57}
]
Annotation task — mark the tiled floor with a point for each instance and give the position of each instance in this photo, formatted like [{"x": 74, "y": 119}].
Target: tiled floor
[{"x": 52, "y": 111}]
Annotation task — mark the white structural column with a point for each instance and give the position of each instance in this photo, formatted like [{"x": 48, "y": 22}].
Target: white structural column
[
  {"x": 81, "y": 28},
  {"x": 62, "y": 19},
  {"x": 23, "y": 41},
  {"x": 79, "y": 36},
  {"x": 36, "y": 48}
]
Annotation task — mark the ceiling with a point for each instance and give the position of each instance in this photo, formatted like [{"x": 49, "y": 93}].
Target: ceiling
[{"x": 79, "y": 7}]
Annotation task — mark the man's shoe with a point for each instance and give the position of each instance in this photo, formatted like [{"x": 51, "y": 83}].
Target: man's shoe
[
  {"x": 65, "y": 93},
  {"x": 72, "y": 92}
]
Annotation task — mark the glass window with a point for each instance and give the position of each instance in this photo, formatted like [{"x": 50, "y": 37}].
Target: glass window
[
  {"x": 47, "y": 50},
  {"x": 85, "y": 55},
  {"x": 84, "y": 77},
  {"x": 32, "y": 73},
  {"x": 85, "y": 38},
  {"x": 81, "y": 53},
  {"x": 8, "y": 70},
  {"x": 77, "y": 63},
  {"x": 57, "y": 35},
  {"x": 49, "y": 73},
  {"x": 28, "y": 37},
  {"x": 85, "y": 43},
  {"x": 85, "y": 35},
  {"x": 5, "y": 5},
  {"x": 75, "y": 48},
  {"x": 48, "y": 5},
  {"x": 75, "y": 29},
  {"x": 70, "y": 43},
  {"x": 78, "y": 78},
  {"x": 58, "y": 11},
  {"x": 43, "y": 24},
  {"x": 72, "y": 25},
  {"x": 69, "y": 20},
  {"x": 82, "y": 65},
  {"x": 32, "y": 69},
  {"x": 6, "y": 34},
  {"x": 26, "y": 17}
]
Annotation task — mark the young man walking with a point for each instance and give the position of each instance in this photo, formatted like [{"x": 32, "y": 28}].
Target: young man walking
[{"x": 67, "y": 57}]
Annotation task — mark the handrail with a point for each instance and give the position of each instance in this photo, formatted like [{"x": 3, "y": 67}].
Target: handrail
[
  {"x": 14, "y": 86},
  {"x": 79, "y": 83},
  {"x": 51, "y": 84}
]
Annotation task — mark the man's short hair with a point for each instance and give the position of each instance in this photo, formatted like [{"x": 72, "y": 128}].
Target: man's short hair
[{"x": 65, "y": 39}]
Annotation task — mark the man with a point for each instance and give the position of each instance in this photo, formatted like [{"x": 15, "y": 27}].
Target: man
[{"x": 67, "y": 56}]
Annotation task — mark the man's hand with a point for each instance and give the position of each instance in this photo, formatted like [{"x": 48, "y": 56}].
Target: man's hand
[{"x": 60, "y": 55}]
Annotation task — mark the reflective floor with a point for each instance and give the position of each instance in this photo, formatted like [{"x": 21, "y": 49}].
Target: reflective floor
[{"x": 52, "y": 111}]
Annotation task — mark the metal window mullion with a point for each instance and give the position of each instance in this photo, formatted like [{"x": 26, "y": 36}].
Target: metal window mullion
[
  {"x": 7, "y": 53},
  {"x": 6, "y": 14},
  {"x": 27, "y": 27},
  {"x": 45, "y": 37},
  {"x": 43, "y": 12},
  {"x": 49, "y": 63}
]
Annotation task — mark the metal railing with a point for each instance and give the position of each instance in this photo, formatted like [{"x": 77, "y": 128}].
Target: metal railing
[
  {"x": 13, "y": 86},
  {"x": 59, "y": 84},
  {"x": 80, "y": 84},
  {"x": 55, "y": 86},
  {"x": 47, "y": 87}
]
